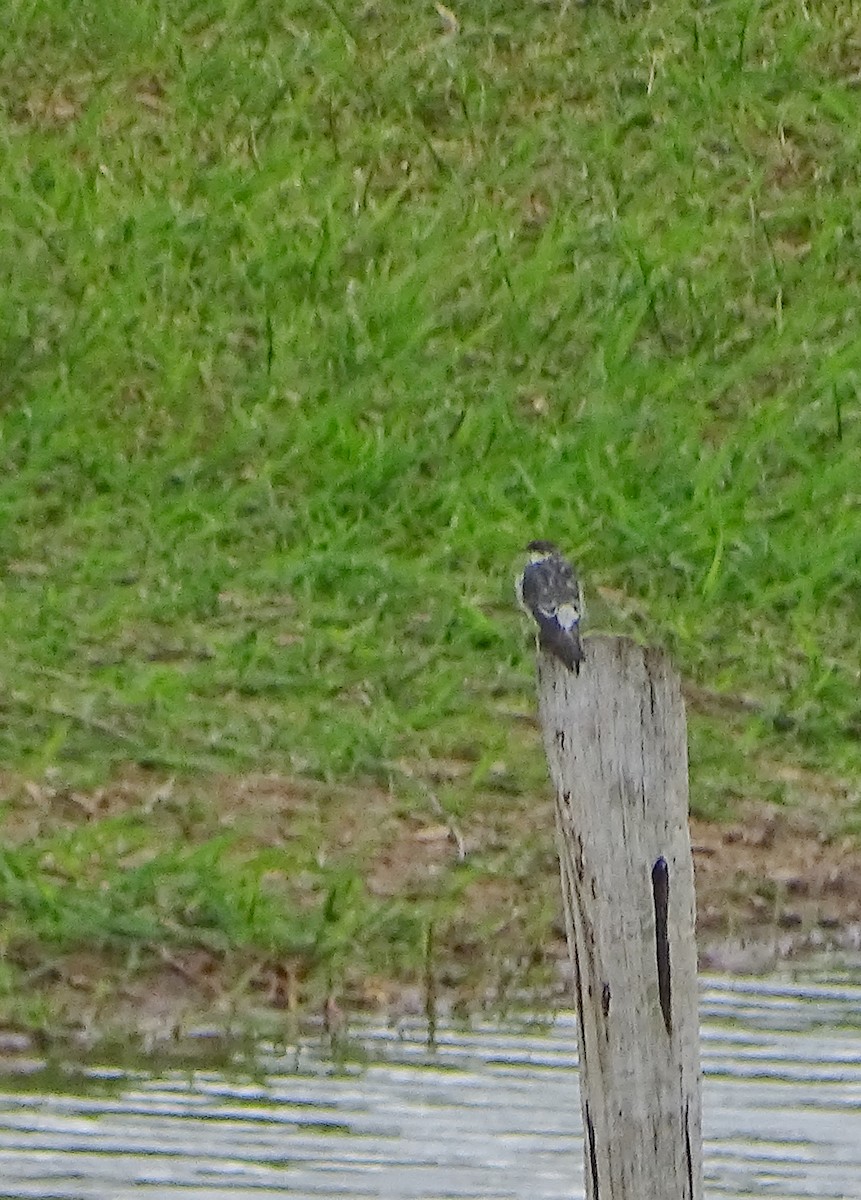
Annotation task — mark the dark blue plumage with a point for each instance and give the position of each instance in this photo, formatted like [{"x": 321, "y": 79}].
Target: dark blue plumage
[{"x": 548, "y": 589}]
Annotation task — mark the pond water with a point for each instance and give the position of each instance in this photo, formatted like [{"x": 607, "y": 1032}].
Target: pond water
[{"x": 492, "y": 1113}]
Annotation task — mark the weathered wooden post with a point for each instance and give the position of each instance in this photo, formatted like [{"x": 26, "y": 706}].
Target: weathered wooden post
[{"x": 616, "y": 743}]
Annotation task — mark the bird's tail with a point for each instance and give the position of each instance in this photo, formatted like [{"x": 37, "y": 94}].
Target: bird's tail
[{"x": 564, "y": 644}]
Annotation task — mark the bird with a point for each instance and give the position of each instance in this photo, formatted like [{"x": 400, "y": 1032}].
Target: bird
[{"x": 549, "y": 591}]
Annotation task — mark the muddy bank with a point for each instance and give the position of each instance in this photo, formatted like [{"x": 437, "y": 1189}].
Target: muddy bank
[{"x": 773, "y": 887}]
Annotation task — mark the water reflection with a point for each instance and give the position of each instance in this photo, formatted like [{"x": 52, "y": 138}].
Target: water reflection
[{"x": 492, "y": 1114}]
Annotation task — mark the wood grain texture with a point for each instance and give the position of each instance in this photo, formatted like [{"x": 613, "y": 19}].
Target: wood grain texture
[{"x": 616, "y": 743}]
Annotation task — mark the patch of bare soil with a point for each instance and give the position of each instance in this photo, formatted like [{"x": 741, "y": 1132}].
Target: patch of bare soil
[{"x": 774, "y": 885}]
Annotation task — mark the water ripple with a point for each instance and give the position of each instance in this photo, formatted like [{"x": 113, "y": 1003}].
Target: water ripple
[{"x": 493, "y": 1113}]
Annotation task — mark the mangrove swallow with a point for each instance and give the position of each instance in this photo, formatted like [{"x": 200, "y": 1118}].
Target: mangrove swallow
[{"x": 549, "y": 591}]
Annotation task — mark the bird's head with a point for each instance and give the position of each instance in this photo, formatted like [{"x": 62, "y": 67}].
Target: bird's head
[{"x": 541, "y": 549}]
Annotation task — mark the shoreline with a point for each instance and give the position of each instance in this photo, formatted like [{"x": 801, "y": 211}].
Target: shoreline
[{"x": 773, "y": 893}]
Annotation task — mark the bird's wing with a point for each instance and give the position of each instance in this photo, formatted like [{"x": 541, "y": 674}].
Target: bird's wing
[
  {"x": 550, "y": 590},
  {"x": 532, "y": 589}
]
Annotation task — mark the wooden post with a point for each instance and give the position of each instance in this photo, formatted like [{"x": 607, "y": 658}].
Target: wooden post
[{"x": 616, "y": 743}]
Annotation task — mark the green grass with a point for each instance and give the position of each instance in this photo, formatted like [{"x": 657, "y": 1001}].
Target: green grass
[
  {"x": 313, "y": 315},
  {"x": 93, "y": 886}
]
